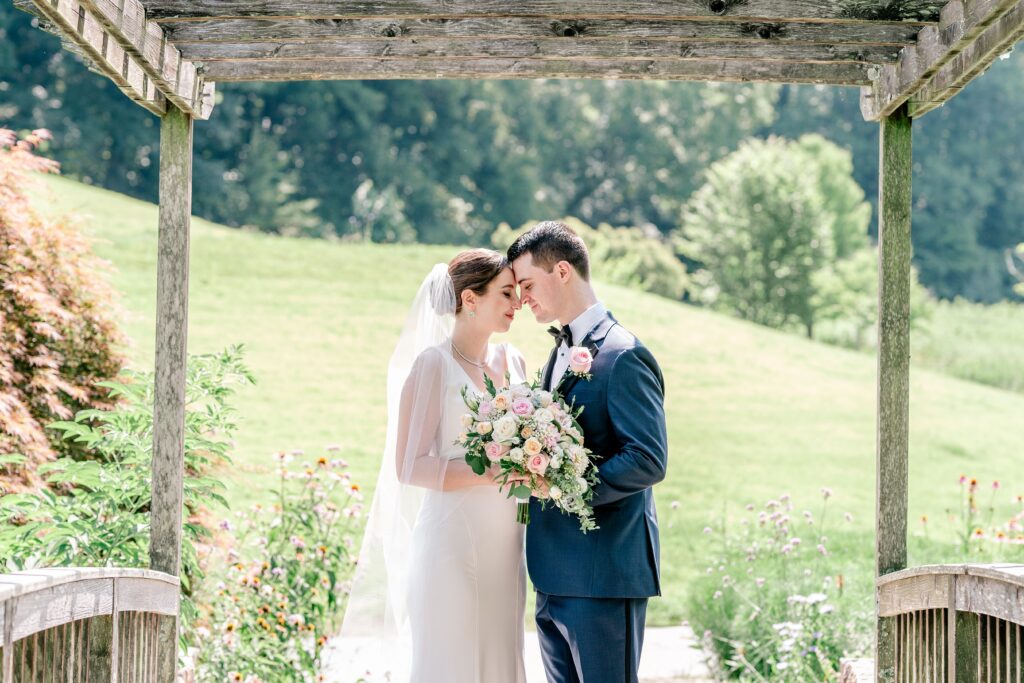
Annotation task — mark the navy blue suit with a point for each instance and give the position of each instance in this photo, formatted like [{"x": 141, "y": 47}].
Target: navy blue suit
[{"x": 592, "y": 589}]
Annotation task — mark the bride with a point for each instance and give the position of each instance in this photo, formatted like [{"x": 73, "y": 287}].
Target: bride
[{"x": 440, "y": 590}]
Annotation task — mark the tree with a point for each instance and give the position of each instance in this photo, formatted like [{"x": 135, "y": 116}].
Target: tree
[
  {"x": 57, "y": 334},
  {"x": 846, "y": 295},
  {"x": 768, "y": 217}
]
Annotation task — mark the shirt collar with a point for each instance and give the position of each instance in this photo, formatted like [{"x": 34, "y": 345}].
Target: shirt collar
[{"x": 587, "y": 321}]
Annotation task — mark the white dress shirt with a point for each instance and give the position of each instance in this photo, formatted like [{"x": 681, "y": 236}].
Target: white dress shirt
[{"x": 584, "y": 323}]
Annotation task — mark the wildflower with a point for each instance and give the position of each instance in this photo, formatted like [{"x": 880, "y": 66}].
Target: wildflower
[
  {"x": 675, "y": 505},
  {"x": 995, "y": 486},
  {"x": 822, "y": 549},
  {"x": 826, "y": 492},
  {"x": 848, "y": 517},
  {"x": 707, "y": 530},
  {"x": 717, "y": 595}
]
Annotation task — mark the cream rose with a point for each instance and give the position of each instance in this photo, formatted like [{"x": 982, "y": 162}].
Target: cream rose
[
  {"x": 483, "y": 428},
  {"x": 532, "y": 447},
  {"x": 505, "y": 429},
  {"x": 543, "y": 416}
]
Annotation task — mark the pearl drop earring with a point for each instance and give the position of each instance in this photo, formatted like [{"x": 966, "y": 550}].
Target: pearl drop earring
[{"x": 472, "y": 314}]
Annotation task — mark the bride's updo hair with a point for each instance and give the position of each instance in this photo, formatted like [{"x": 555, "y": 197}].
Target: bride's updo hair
[{"x": 474, "y": 269}]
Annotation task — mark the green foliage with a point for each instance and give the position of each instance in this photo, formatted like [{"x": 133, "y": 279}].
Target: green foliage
[
  {"x": 96, "y": 512},
  {"x": 58, "y": 339},
  {"x": 632, "y": 257},
  {"x": 286, "y": 569},
  {"x": 769, "y": 216},
  {"x": 968, "y": 170},
  {"x": 377, "y": 215},
  {"x": 973, "y": 341},
  {"x": 771, "y": 604},
  {"x": 846, "y": 300}
]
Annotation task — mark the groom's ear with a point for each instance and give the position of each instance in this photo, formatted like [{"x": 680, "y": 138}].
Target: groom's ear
[{"x": 564, "y": 270}]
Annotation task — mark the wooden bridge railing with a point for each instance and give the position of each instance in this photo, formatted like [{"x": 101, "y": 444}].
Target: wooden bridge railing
[
  {"x": 89, "y": 624},
  {"x": 961, "y": 622}
]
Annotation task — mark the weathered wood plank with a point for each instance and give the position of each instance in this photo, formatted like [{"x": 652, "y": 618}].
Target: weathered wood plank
[
  {"x": 170, "y": 10},
  {"x": 171, "y": 340},
  {"x": 81, "y": 28},
  {"x": 996, "y": 598},
  {"x": 125, "y": 22},
  {"x": 543, "y": 48},
  {"x": 243, "y": 30},
  {"x": 142, "y": 595},
  {"x": 974, "y": 60},
  {"x": 960, "y": 24},
  {"x": 707, "y": 70},
  {"x": 893, "y": 365},
  {"x": 58, "y": 605},
  {"x": 928, "y": 591}
]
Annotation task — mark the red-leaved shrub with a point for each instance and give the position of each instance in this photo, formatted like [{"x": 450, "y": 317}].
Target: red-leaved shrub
[{"x": 58, "y": 336}]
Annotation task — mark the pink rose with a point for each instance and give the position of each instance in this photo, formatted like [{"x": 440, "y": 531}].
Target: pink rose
[
  {"x": 522, "y": 406},
  {"x": 538, "y": 464},
  {"x": 495, "y": 451},
  {"x": 580, "y": 359},
  {"x": 485, "y": 407}
]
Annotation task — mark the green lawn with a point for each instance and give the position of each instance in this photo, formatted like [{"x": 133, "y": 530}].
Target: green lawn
[{"x": 752, "y": 413}]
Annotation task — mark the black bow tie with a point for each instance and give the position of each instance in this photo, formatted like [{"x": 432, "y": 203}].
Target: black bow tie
[{"x": 561, "y": 335}]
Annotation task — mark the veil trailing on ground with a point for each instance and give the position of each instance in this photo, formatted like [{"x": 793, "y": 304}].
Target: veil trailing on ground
[{"x": 374, "y": 633}]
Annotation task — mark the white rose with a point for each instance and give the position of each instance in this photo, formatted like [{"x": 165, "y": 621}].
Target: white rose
[
  {"x": 506, "y": 428},
  {"x": 543, "y": 398},
  {"x": 556, "y": 461},
  {"x": 517, "y": 455},
  {"x": 467, "y": 420},
  {"x": 583, "y": 483},
  {"x": 520, "y": 391},
  {"x": 555, "y": 493},
  {"x": 543, "y": 416},
  {"x": 483, "y": 428}
]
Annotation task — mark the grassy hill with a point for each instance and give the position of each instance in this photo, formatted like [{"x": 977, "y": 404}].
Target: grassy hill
[{"x": 752, "y": 413}]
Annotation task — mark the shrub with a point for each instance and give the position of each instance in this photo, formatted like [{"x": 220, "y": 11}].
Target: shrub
[
  {"x": 102, "y": 519},
  {"x": 770, "y": 605},
  {"x": 631, "y": 257},
  {"x": 287, "y": 570},
  {"x": 58, "y": 340}
]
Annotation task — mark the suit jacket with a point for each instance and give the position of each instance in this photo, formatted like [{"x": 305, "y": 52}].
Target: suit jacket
[{"x": 623, "y": 423}]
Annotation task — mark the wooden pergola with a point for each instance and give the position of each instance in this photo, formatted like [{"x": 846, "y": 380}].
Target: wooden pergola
[{"x": 907, "y": 56}]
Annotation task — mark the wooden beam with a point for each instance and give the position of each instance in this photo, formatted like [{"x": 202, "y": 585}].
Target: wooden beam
[
  {"x": 125, "y": 22},
  {"x": 119, "y": 43},
  {"x": 374, "y": 69},
  {"x": 82, "y": 30},
  {"x": 186, "y": 10},
  {"x": 997, "y": 39},
  {"x": 171, "y": 338},
  {"x": 543, "y": 48},
  {"x": 303, "y": 30},
  {"x": 892, "y": 444},
  {"x": 960, "y": 24}
]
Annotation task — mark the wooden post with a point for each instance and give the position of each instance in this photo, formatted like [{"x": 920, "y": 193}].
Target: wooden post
[
  {"x": 894, "y": 207},
  {"x": 171, "y": 357}
]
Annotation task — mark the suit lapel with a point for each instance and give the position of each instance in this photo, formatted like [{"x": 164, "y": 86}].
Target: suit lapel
[{"x": 593, "y": 342}]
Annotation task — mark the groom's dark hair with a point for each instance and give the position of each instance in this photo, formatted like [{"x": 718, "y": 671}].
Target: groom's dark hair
[{"x": 550, "y": 242}]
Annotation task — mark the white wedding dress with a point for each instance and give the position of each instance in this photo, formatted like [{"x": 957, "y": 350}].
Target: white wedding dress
[{"x": 467, "y": 579}]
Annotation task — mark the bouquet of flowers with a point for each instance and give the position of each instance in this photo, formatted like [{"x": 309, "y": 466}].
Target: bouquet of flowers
[{"x": 533, "y": 436}]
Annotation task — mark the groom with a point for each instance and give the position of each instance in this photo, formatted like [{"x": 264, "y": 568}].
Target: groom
[{"x": 592, "y": 589}]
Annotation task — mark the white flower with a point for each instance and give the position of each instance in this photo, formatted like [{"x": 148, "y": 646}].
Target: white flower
[
  {"x": 583, "y": 484},
  {"x": 556, "y": 461},
  {"x": 556, "y": 493},
  {"x": 543, "y": 416},
  {"x": 467, "y": 420},
  {"x": 543, "y": 398},
  {"x": 483, "y": 428},
  {"x": 505, "y": 429},
  {"x": 517, "y": 455},
  {"x": 520, "y": 391}
]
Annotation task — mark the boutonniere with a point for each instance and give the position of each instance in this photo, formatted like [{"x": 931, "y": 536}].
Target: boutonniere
[{"x": 580, "y": 360}]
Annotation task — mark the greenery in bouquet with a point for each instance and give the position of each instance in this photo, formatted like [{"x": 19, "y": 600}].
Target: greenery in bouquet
[{"x": 533, "y": 436}]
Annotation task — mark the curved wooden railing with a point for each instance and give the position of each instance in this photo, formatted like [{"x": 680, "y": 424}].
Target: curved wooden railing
[
  {"x": 961, "y": 622},
  {"x": 89, "y": 624}
]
